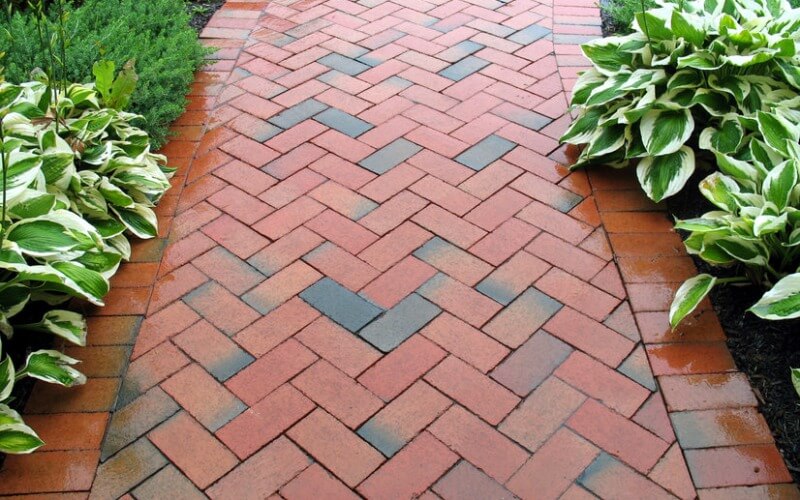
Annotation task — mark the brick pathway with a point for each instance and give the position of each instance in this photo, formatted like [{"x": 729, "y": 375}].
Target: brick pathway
[{"x": 380, "y": 279}]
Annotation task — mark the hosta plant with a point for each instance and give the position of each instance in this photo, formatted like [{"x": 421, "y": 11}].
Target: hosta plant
[
  {"x": 688, "y": 64},
  {"x": 77, "y": 178},
  {"x": 755, "y": 230}
]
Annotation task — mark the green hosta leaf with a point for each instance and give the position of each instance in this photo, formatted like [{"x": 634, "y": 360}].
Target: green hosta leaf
[
  {"x": 643, "y": 78},
  {"x": 715, "y": 103},
  {"x": 609, "y": 91},
  {"x": 790, "y": 71},
  {"x": 582, "y": 129},
  {"x": 796, "y": 380},
  {"x": 726, "y": 139},
  {"x": 13, "y": 299},
  {"x": 701, "y": 225},
  {"x": 666, "y": 131},
  {"x": 32, "y": 203},
  {"x": 769, "y": 224},
  {"x": 749, "y": 59},
  {"x": 689, "y": 296},
  {"x": 663, "y": 176},
  {"x": 748, "y": 252},
  {"x": 688, "y": 27},
  {"x": 123, "y": 87},
  {"x": 114, "y": 195},
  {"x": 586, "y": 83},
  {"x": 741, "y": 170},
  {"x": 737, "y": 87},
  {"x": 782, "y": 301},
  {"x": 90, "y": 282},
  {"x": 606, "y": 140},
  {"x": 718, "y": 189},
  {"x": 22, "y": 169},
  {"x": 685, "y": 79},
  {"x": 701, "y": 59},
  {"x": 7, "y": 375},
  {"x": 712, "y": 253},
  {"x": 776, "y": 131},
  {"x": 779, "y": 183},
  {"x": 54, "y": 367},
  {"x": 16, "y": 439},
  {"x": 654, "y": 23},
  {"x": 53, "y": 234},
  {"x": 605, "y": 53},
  {"x": 140, "y": 220},
  {"x": 65, "y": 324}
]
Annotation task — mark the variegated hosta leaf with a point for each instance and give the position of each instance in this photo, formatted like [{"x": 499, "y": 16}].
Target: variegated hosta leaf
[
  {"x": 606, "y": 55},
  {"x": 140, "y": 220},
  {"x": 15, "y": 436},
  {"x": 719, "y": 189},
  {"x": 741, "y": 170},
  {"x": 769, "y": 224},
  {"x": 701, "y": 59},
  {"x": 13, "y": 298},
  {"x": 689, "y": 27},
  {"x": 685, "y": 79},
  {"x": 53, "y": 234},
  {"x": 726, "y": 139},
  {"x": 68, "y": 325},
  {"x": 776, "y": 131},
  {"x": 582, "y": 129},
  {"x": 666, "y": 131},
  {"x": 22, "y": 169},
  {"x": 606, "y": 140},
  {"x": 53, "y": 367},
  {"x": 747, "y": 252},
  {"x": 663, "y": 176},
  {"x": 689, "y": 296},
  {"x": 782, "y": 301},
  {"x": 796, "y": 380},
  {"x": 7, "y": 374},
  {"x": 780, "y": 183}
]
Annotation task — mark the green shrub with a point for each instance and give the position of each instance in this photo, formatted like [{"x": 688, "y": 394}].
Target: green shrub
[
  {"x": 688, "y": 63},
  {"x": 77, "y": 177},
  {"x": 620, "y": 13},
  {"x": 154, "y": 33}
]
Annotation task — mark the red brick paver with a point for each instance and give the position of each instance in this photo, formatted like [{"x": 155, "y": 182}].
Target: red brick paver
[{"x": 381, "y": 281}]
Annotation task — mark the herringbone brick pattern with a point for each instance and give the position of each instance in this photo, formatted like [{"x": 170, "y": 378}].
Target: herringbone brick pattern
[{"x": 379, "y": 280}]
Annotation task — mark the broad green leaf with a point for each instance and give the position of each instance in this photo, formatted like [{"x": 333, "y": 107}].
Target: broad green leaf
[
  {"x": 685, "y": 79},
  {"x": 700, "y": 225},
  {"x": 688, "y": 27},
  {"x": 606, "y": 140},
  {"x": 726, "y": 139},
  {"x": 701, "y": 59},
  {"x": 53, "y": 367},
  {"x": 666, "y": 131},
  {"x": 13, "y": 299},
  {"x": 7, "y": 375},
  {"x": 782, "y": 301},
  {"x": 32, "y": 203},
  {"x": 780, "y": 182},
  {"x": 581, "y": 130},
  {"x": 741, "y": 170},
  {"x": 796, "y": 380},
  {"x": 142, "y": 221},
  {"x": 748, "y": 252},
  {"x": 718, "y": 189},
  {"x": 769, "y": 224},
  {"x": 749, "y": 59},
  {"x": 22, "y": 169},
  {"x": 663, "y": 176},
  {"x": 790, "y": 71},
  {"x": 18, "y": 439},
  {"x": 654, "y": 22},
  {"x": 68, "y": 325},
  {"x": 776, "y": 131},
  {"x": 90, "y": 282},
  {"x": 123, "y": 87},
  {"x": 689, "y": 296},
  {"x": 585, "y": 84},
  {"x": 609, "y": 90},
  {"x": 606, "y": 55},
  {"x": 103, "y": 72}
]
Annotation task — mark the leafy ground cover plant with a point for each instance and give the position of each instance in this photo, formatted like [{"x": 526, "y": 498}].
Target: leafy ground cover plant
[
  {"x": 154, "y": 33},
  {"x": 715, "y": 62},
  {"x": 756, "y": 227},
  {"x": 77, "y": 178}
]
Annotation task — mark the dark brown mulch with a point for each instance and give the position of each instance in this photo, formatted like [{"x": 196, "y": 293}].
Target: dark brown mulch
[
  {"x": 764, "y": 350},
  {"x": 201, "y": 11}
]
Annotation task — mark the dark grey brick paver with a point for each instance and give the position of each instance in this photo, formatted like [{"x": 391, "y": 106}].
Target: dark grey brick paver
[
  {"x": 340, "y": 304},
  {"x": 485, "y": 152},
  {"x": 399, "y": 323}
]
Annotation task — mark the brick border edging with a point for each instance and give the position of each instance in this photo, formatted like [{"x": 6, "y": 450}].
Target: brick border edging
[
  {"x": 73, "y": 421},
  {"x": 724, "y": 438}
]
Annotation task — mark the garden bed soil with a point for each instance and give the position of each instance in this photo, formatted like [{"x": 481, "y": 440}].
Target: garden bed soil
[
  {"x": 201, "y": 11},
  {"x": 764, "y": 350}
]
